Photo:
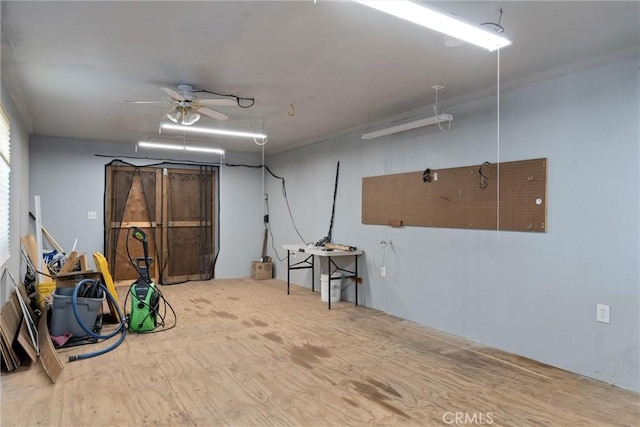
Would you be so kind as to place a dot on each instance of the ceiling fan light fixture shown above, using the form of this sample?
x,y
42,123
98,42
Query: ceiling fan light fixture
x,y
441,22
175,115
190,116
183,115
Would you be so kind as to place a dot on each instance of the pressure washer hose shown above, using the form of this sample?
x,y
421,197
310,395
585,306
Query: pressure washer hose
x,y
121,327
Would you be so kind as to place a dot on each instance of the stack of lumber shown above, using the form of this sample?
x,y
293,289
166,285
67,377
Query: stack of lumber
x,y
16,343
21,340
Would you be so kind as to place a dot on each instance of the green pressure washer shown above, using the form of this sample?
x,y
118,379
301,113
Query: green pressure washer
x,y
145,297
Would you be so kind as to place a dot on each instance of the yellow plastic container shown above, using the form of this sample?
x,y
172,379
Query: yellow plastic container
x,y
44,291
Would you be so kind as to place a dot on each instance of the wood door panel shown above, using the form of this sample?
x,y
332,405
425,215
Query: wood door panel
x,y
189,225
189,240
132,202
175,207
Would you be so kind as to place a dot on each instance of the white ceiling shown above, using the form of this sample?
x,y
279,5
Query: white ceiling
x,y
315,69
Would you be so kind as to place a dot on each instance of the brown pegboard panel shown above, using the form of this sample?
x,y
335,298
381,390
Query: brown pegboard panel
x,y
456,197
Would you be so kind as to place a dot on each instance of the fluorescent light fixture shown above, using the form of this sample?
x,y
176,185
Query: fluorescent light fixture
x,y
410,125
442,22
212,131
179,147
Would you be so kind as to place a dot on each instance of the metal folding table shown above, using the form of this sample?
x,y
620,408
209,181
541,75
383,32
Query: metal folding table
x,y
309,253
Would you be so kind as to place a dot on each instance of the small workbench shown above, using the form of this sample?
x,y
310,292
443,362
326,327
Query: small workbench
x,y
309,252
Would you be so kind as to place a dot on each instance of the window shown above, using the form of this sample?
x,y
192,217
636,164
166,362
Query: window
x,y
5,170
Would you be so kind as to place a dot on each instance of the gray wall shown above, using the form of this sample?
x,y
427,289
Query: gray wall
x,y
70,180
530,294
18,199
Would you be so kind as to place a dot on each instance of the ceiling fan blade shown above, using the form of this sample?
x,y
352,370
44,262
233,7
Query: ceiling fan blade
x,y
218,101
172,93
212,113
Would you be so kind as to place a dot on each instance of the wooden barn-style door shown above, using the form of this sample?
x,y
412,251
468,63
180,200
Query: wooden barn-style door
x,y
175,207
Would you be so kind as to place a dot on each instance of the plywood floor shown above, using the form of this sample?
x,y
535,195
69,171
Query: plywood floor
x,y
244,353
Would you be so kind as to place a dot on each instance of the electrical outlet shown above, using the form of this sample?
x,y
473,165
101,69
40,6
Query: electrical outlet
x,y
602,313
383,271
92,215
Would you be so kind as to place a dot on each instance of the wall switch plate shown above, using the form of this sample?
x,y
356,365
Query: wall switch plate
x,y
602,313
383,271
92,215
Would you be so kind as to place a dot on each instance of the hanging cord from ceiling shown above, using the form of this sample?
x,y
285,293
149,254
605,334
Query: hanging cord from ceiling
x,y
264,192
498,28
286,199
435,108
264,140
241,101
498,143
266,214
284,194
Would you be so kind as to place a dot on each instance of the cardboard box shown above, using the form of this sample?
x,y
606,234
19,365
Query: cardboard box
x,y
261,270
69,280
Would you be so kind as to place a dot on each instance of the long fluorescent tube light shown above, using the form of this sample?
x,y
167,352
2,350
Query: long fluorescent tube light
x,y
441,22
212,131
410,125
180,147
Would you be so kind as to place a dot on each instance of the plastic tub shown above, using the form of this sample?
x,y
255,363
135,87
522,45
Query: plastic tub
x,y
62,317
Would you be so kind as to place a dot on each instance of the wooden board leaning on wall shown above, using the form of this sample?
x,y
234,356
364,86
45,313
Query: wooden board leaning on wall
x,y
461,197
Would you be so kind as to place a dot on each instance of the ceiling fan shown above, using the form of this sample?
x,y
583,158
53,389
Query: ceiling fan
x,y
187,107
